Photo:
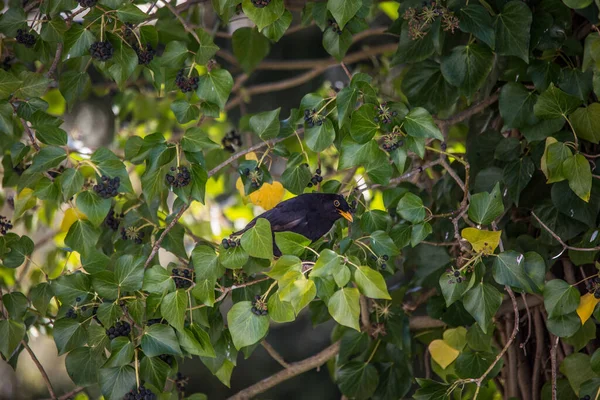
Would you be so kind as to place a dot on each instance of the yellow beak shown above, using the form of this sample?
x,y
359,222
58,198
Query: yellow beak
x,y
346,215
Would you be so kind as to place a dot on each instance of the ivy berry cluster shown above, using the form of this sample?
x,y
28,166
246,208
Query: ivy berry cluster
x,y
145,55
87,3
593,286
259,307
455,276
5,225
102,51
227,243
121,328
420,20
392,141
334,26
183,279
113,220
181,179
316,179
385,115
181,382
231,138
107,187
71,313
25,38
312,118
260,3
131,233
255,177
381,261
141,393
184,83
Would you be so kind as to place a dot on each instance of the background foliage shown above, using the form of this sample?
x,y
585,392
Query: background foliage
x,y
466,135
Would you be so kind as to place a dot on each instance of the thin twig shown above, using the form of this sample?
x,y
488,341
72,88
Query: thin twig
x,y
364,315
180,18
554,372
539,349
474,109
294,369
40,368
524,343
31,135
559,240
274,354
160,239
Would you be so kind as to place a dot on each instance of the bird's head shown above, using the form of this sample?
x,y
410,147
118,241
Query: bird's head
x,y
341,206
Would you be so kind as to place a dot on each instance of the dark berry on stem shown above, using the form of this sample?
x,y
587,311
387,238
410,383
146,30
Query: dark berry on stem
x,y
184,83
102,51
87,3
25,38
5,225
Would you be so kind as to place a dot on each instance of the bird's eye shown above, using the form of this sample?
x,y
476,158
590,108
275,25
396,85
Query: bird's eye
x,y
336,203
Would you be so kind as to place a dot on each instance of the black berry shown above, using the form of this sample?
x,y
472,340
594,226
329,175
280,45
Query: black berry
x,y
154,321
259,307
181,382
107,187
113,220
121,328
260,3
145,56
181,179
457,273
231,138
166,358
183,278
334,26
184,83
71,313
25,38
5,225
140,394
87,3
102,51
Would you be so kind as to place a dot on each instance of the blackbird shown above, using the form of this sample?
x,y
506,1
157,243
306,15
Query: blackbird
x,y
311,215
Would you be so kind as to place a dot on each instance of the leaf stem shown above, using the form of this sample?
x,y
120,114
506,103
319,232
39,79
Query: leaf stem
x,y
374,351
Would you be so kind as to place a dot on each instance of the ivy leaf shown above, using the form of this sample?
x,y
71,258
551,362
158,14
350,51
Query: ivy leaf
x,y
371,283
277,29
173,308
154,371
483,241
296,175
345,102
125,60
130,13
519,271
320,137
266,124
129,272
184,111
512,30
54,30
158,280
475,19
328,263
160,339
467,67
116,382
419,123
40,296
382,244
206,263
452,290
82,237
577,171
280,311
258,240
246,328
337,44
195,341
442,353
47,158
554,103
93,206
517,175
586,122
587,304
564,325
215,86
560,298
12,333
411,208
264,16
233,257
121,352
68,335
82,366
249,46
195,139
516,105
343,10
20,247
300,292
291,243
175,54
485,207
344,307
363,126
358,380
482,302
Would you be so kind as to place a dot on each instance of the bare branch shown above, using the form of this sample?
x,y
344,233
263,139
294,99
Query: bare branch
x,y
474,109
559,240
554,366
364,315
160,239
274,354
31,135
40,368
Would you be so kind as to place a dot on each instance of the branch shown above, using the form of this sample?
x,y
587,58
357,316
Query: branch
x,y
160,239
40,368
474,109
559,240
409,174
294,369
274,354
364,315
31,135
180,18
553,358
539,348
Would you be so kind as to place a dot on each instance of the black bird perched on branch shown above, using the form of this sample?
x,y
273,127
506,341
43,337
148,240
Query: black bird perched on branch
x,y
311,215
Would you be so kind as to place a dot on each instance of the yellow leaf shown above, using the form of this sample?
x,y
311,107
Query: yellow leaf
x,y
442,353
71,215
543,163
482,241
251,156
267,197
587,303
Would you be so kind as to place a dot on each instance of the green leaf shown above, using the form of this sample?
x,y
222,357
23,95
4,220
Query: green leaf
x,y
12,19
246,328
121,352
452,290
160,339
54,30
72,84
129,273
82,237
467,67
108,313
206,48
353,154
116,382
518,270
577,4
337,44
173,308
265,15
299,292
195,139
363,126
576,367
320,137
125,60
82,365
554,103
358,380
47,158
158,280
32,85
382,244
419,123
586,122
560,298
69,287
215,87
371,283
195,341
291,243
8,84
154,371
184,111
577,171
266,124
258,240
344,307
411,208
476,20
279,310
68,335
234,257
12,333
174,55
328,263
516,105
512,30
517,175
482,302
345,102
206,263
40,296
249,46
343,10
93,206
16,304
296,175
277,29
485,207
